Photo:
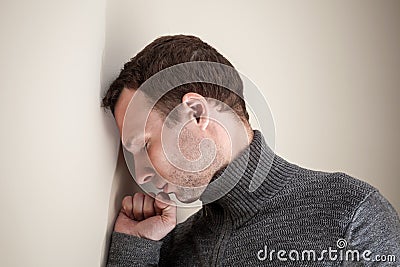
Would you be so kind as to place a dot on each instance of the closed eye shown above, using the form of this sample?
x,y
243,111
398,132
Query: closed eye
x,y
146,145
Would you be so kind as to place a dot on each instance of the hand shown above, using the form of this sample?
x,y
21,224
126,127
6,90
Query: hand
x,y
146,217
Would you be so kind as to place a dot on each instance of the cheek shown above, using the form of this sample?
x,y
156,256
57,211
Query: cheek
x,y
166,170
159,161
189,145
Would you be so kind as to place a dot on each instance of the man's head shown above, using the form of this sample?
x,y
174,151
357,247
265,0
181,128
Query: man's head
x,y
203,119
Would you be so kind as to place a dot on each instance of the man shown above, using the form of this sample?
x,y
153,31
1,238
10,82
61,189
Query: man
x,y
293,216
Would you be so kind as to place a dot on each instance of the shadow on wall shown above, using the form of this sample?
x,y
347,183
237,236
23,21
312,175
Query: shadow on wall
x,y
123,184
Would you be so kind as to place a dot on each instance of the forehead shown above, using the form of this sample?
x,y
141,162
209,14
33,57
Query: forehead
x,y
135,114
121,106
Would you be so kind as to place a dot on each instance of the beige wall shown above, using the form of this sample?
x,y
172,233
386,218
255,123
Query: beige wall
x,y
329,70
58,149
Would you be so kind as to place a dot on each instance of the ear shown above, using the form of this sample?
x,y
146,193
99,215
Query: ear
x,y
197,107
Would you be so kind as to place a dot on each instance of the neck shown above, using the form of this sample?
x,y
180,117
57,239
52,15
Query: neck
x,y
248,181
236,138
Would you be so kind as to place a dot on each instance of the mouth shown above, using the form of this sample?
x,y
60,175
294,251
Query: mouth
x,y
163,188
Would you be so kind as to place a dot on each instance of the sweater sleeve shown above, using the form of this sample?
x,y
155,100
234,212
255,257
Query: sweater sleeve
x,y
128,250
375,233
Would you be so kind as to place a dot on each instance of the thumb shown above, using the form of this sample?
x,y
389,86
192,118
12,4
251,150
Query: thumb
x,y
165,207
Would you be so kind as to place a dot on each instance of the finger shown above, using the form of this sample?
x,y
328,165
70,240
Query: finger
x,y
163,200
148,207
137,201
127,206
159,202
124,224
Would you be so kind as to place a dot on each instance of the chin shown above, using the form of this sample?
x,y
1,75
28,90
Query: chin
x,y
186,199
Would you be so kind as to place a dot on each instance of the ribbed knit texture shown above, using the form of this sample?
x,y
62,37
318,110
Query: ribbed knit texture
x,y
291,208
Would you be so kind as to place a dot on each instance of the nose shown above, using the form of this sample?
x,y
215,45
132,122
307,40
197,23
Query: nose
x,y
144,172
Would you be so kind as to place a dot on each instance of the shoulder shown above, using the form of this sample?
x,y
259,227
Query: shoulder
x,y
375,227
331,184
332,196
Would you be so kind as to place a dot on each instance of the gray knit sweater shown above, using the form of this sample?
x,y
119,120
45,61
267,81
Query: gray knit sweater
x,y
295,217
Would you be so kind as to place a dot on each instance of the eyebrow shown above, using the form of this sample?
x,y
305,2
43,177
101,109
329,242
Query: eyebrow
x,y
134,141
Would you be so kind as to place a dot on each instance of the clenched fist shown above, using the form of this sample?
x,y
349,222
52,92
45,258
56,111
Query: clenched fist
x,y
151,217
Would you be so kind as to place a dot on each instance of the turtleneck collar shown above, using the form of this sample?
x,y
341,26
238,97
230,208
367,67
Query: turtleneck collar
x,y
240,189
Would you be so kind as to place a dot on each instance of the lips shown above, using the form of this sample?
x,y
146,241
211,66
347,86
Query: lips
x,y
160,187
166,189
163,188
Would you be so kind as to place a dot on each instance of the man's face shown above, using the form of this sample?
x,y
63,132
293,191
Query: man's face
x,y
154,147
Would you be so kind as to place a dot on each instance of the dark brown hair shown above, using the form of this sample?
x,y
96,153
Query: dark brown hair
x,y
167,51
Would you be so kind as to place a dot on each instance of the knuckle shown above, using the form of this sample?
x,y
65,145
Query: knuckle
x,y
126,204
138,197
138,194
126,199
